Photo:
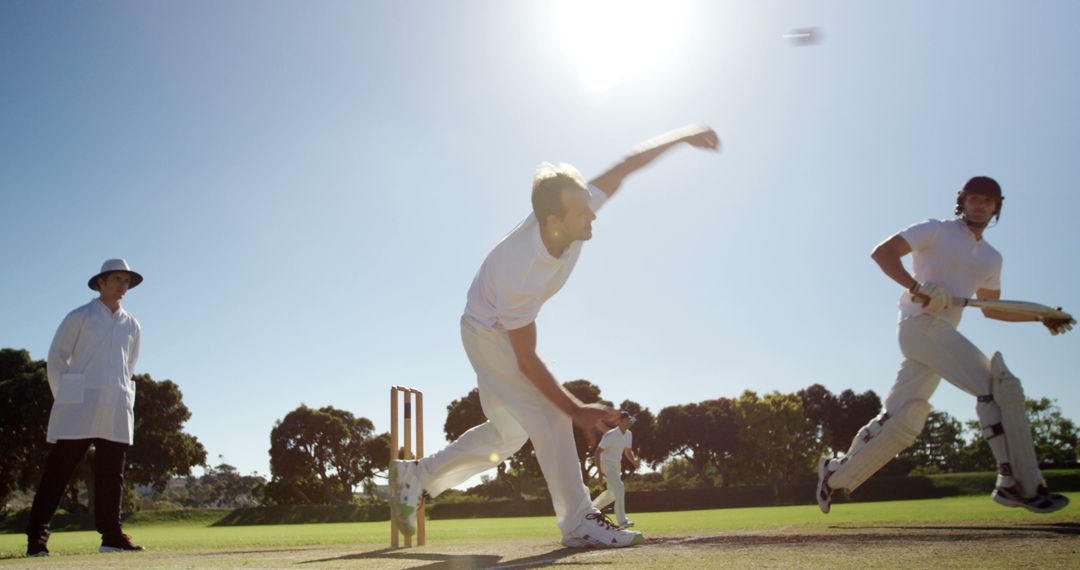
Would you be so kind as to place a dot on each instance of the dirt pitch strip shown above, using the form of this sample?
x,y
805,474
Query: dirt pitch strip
x,y
945,545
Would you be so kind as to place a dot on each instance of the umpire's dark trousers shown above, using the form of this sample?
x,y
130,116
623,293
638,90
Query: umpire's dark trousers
x,y
64,457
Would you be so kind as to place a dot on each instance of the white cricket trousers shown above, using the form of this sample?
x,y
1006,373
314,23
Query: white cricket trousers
x,y
517,412
933,349
614,493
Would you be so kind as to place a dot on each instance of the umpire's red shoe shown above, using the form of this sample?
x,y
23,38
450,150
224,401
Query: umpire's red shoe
x,y
121,543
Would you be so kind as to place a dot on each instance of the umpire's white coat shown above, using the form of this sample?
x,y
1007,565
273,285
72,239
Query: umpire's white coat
x,y
91,361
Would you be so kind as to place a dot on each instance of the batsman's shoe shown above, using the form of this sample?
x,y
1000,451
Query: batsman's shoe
x,y
1043,502
406,490
626,523
824,492
119,543
599,532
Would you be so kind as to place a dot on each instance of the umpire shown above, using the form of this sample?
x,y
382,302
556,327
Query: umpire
x,y
91,361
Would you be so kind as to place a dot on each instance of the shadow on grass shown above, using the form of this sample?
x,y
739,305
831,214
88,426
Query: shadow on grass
x,y
458,561
843,535
1062,528
304,514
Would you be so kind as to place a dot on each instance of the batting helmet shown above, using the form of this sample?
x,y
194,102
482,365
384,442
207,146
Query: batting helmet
x,y
985,186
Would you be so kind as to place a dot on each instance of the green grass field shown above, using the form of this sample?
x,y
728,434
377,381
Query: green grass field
x,y
173,543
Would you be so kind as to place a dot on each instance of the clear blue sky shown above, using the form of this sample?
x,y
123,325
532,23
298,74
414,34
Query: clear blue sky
x,y
309,189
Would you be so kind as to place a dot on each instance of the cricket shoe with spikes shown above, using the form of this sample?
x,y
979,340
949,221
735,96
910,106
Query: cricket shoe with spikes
x,y
406,491
596,531
824,491
1043,502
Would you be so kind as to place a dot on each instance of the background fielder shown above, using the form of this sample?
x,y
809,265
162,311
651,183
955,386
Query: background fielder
x,y
949,259
616,443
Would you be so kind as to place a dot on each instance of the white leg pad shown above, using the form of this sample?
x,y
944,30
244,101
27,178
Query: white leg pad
x,y
1009,395
897,433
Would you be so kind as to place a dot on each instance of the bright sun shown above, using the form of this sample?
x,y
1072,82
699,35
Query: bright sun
x,y
611,41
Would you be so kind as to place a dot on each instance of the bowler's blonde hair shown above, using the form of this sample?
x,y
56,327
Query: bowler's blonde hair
x,y
548,183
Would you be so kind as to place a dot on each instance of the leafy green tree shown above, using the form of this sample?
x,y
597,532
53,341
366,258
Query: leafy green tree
x,y
820,407
25,401
320,456
976,454
835,419
1054,435
463,414
161,449
775,443
14,362
855,411
1055,438
219,487
704,434
678,473
939,446
521,468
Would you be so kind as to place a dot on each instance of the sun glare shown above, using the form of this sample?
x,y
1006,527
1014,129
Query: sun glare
x,y
611,41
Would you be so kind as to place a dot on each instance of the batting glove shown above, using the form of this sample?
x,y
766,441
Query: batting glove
x,y
1059,326
933,296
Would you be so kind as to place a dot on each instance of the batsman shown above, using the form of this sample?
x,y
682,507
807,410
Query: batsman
x,y
950,260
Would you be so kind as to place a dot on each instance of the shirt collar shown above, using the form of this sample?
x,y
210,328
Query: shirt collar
x,y
964,229
106,310
541,249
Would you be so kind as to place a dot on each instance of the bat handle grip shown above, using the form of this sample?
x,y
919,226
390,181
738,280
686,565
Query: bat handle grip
x,y
925,299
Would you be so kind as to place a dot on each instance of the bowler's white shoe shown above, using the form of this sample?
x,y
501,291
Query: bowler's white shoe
x,y
597,531
824,492
406,490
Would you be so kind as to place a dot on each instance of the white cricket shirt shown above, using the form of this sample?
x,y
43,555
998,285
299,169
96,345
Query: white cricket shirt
x,y
520,275
614,443
90,364
946,253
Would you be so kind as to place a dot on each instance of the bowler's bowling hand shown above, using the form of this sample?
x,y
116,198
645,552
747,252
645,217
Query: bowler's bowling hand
x,y
702,137
594,419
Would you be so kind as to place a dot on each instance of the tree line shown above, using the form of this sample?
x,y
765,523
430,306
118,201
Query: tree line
x,y
326,455
162,450
769,439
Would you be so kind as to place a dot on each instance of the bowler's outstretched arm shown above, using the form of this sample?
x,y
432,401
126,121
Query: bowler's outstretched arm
x,y
698,136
